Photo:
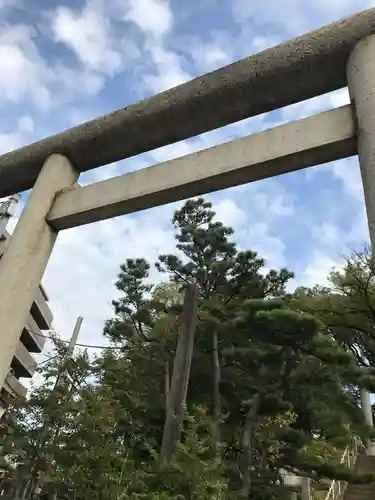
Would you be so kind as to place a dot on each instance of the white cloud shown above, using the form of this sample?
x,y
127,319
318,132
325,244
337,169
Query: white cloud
x,y
229,213
269,199
88,34
9,141
167,70
17,138
4,4
212,54
176,150
327,233
348,173
85,264
19,57
26,124
95,34
318,270
331,236
26,76
71,83
251,211
156,56
269,246
154,17
292,18
281,205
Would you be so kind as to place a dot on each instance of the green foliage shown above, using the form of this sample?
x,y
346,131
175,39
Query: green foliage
x,y
273,386
347,306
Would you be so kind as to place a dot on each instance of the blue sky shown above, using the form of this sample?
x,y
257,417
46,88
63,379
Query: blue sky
x,y
64,62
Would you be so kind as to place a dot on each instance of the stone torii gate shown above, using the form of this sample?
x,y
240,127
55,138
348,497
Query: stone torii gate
x,y
327,59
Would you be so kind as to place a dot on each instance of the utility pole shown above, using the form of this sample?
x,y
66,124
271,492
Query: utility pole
x,y
33,487
74,337
72,344
69,354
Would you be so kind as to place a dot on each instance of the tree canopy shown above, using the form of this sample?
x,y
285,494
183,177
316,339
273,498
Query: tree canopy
x,y
274,381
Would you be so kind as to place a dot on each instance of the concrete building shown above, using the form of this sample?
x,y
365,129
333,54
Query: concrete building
x,y
31,342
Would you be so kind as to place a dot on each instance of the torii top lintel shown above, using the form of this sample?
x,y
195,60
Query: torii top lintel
x,y
305,67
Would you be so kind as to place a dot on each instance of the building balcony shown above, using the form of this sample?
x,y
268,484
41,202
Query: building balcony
x,y
13,389
23,364
41,312
31,341
32,337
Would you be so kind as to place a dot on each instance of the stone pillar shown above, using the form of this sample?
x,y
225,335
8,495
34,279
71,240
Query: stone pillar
x,y
361,82
27,254
367,412
306,488
366,407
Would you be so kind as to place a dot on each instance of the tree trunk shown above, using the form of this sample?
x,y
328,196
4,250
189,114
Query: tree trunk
x,y
166,384
248,448
216,396
181,374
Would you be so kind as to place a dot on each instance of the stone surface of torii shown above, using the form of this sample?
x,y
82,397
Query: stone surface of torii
x,y
308,66
299,144
319,62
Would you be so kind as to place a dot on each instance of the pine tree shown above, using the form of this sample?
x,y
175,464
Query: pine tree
x,y
33,428
252,358
271,387
347,306
222,273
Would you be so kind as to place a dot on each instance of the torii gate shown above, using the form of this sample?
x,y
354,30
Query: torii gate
x,y
327,59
